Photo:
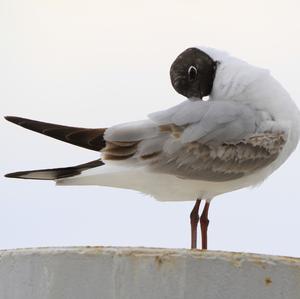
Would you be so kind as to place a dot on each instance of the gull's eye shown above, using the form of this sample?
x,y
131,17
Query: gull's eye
x,y
192,73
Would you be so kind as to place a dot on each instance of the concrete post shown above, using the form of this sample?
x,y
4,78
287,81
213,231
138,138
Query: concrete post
x,y
142,273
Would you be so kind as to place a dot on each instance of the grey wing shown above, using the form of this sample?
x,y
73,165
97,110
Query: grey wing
x,y
212,141
213,122
224,162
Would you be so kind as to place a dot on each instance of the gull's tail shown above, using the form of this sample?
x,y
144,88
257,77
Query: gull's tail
x,y
55,173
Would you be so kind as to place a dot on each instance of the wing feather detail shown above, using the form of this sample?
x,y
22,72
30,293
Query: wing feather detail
x,y
224,162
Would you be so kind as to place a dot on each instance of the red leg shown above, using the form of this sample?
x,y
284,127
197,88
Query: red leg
x,y
194,217
204,225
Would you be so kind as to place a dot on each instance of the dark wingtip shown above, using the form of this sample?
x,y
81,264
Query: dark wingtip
x,y
54,173
8,117
13,119
87,138
14,174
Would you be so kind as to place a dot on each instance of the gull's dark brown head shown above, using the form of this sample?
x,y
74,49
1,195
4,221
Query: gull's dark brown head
x,y
192,73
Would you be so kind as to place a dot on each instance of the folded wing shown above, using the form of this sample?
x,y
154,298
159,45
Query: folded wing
x,y
212,141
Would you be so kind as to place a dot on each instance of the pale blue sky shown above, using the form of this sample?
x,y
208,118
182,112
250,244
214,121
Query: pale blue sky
x,y
96,63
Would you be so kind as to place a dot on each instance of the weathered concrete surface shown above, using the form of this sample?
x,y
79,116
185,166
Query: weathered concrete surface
x,y
123,273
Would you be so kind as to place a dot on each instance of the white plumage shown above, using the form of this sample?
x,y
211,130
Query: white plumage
x,y
246,130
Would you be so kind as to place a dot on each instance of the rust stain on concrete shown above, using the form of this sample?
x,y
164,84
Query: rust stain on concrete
x,y
268,281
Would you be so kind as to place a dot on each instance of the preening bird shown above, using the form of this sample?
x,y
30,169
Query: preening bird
x,y
196,150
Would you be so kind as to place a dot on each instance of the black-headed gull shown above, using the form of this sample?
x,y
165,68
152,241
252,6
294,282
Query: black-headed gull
x,y
195,150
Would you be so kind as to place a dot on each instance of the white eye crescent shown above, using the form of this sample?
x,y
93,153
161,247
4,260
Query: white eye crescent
x,y
192,73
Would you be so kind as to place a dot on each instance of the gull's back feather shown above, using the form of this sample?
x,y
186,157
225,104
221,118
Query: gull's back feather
x,y
210,121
